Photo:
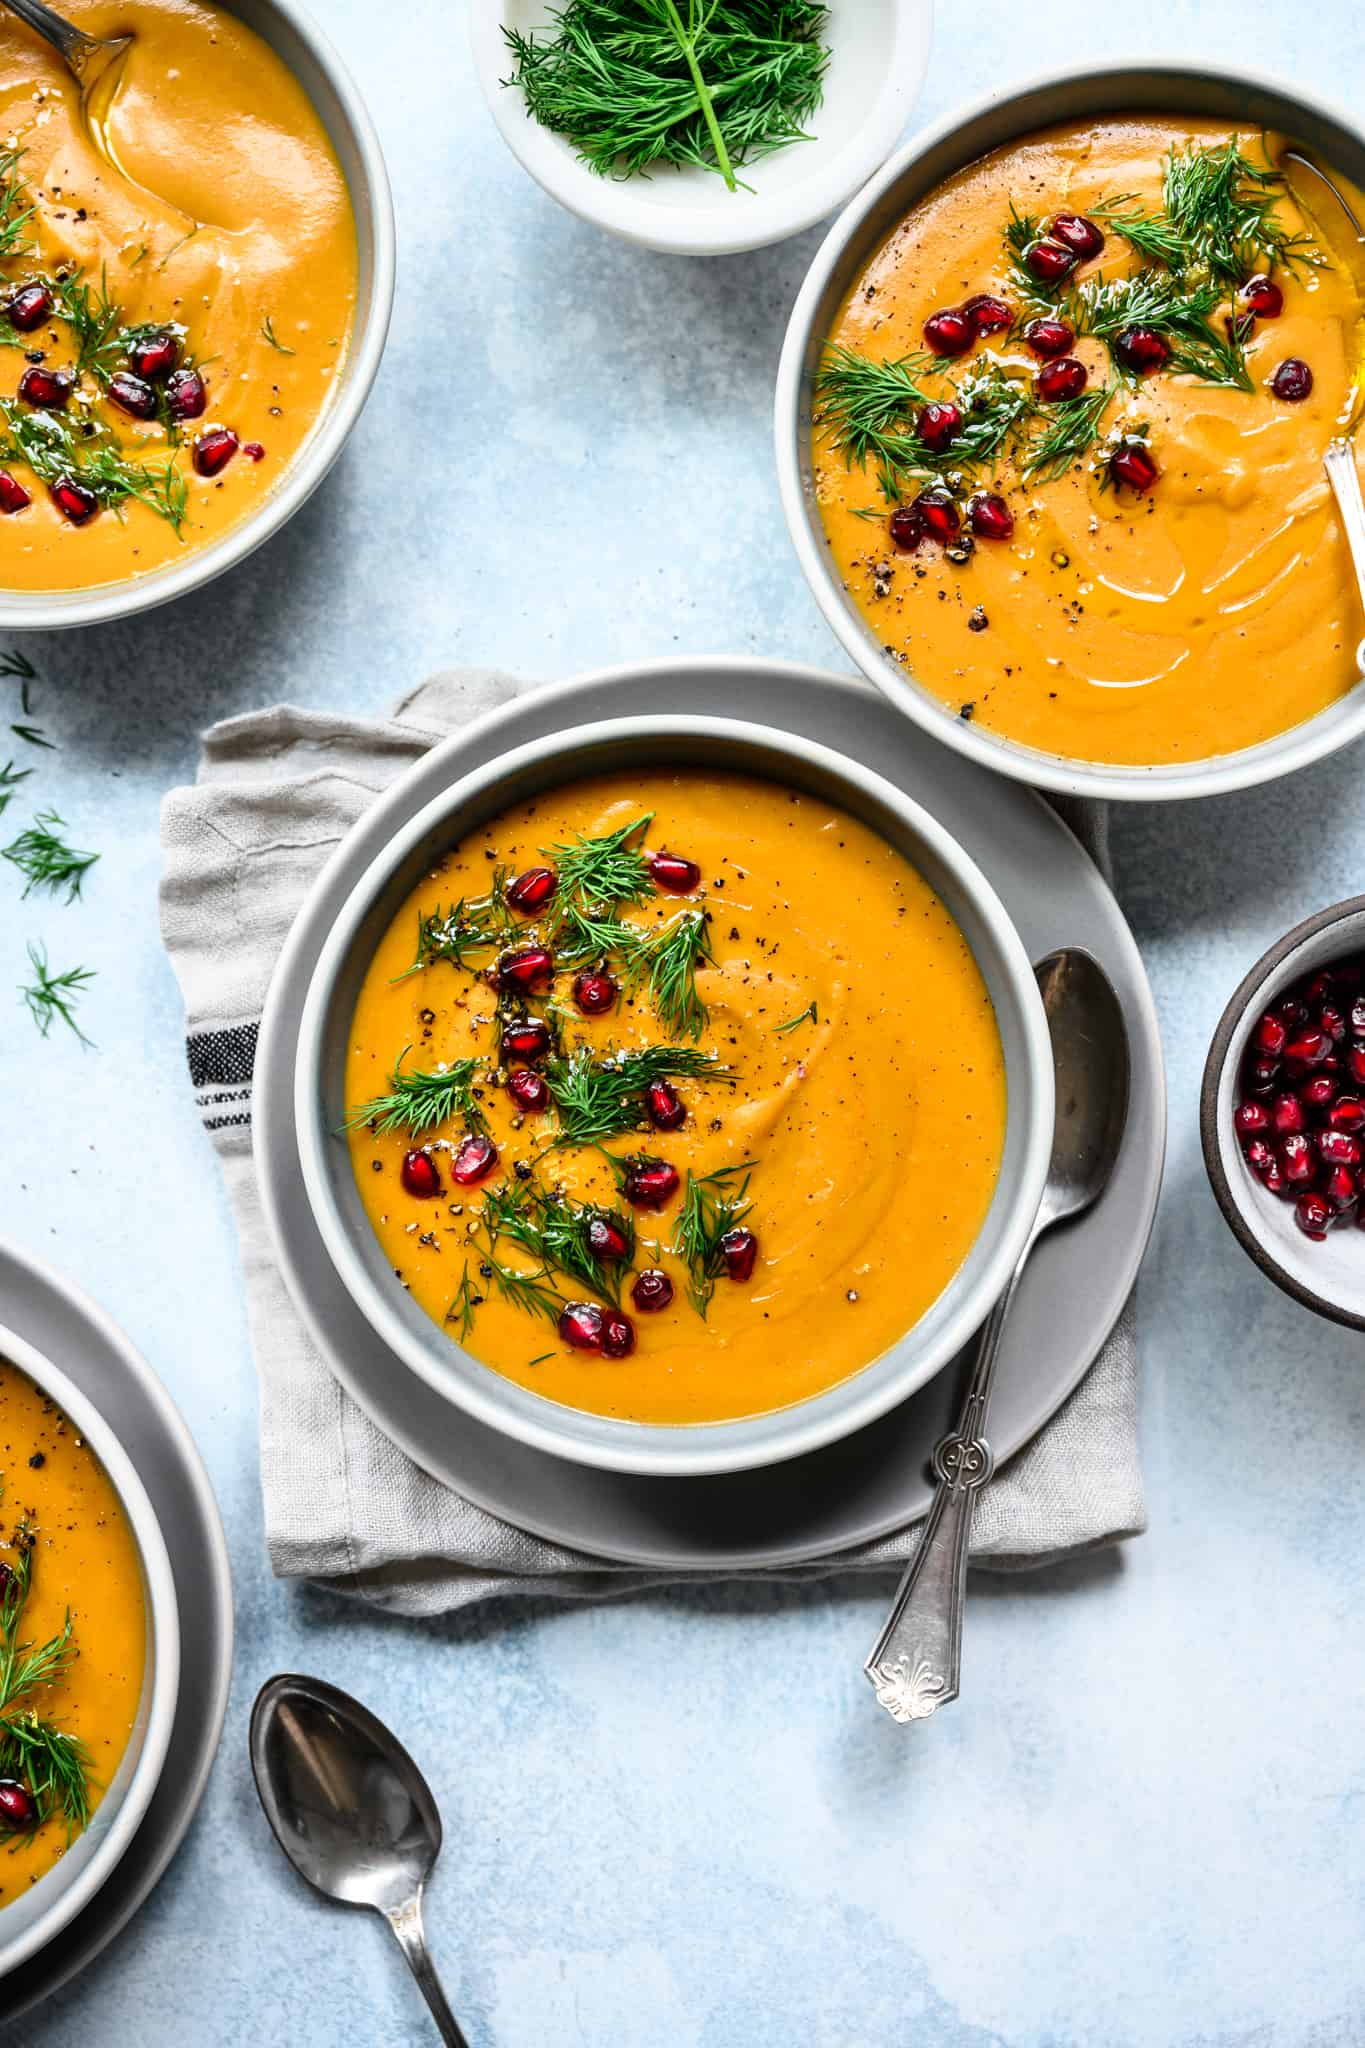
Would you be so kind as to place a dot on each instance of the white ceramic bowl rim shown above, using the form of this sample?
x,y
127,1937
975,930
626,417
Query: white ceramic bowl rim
x,y
372,205
711,1447
159,1701
1033,104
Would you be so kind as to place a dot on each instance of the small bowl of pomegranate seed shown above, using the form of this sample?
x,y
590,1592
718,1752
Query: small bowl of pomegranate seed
x,y
1282,1113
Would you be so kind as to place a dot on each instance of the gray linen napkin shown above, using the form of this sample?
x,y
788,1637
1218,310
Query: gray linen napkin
x,y
275,793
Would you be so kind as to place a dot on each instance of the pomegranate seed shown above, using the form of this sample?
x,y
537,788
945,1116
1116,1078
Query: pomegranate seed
x,y
214,450
1142,350
1286,1115
1317,1091
1274,1182
1270,1035
1312,1215
1340,1188
13,496
1358,1017
1355,1060
1260,1157
528,1090
607,1240
1339,1148
1252,1119
1261,1076
1347,1113
1296,1159
666,1107
1292,381
580,1324
1077,232
938,425
1292,1011
474,1161
949,333
1066,378
29,307
154,356
1049,261
675,872
649,1183
254,450
525,1038
50,389
594,991
419,1175
131,395
531,890
990,516
739,1249
1048,338
1263,296
987,314
73,500
187,395
652,1291
618,1334
907,529
1309,1049
529,967
1133,463
1332,1022
1319,988
18,1807
939,514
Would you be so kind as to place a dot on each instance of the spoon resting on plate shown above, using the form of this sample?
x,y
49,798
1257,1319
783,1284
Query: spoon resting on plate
x,y
916,1665
351,1811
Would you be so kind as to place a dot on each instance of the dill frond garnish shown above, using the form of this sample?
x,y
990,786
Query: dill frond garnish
x,y
810,1015
269,334
1071,429
95,322
420,1102
53,1766
867,406
1178,311
597,874
462,1309
600,1096
533,1293
54,446
50,996
712,1205
15,214
44,858
1152,235
555,1231
666,962
590,935
1224,206
476,924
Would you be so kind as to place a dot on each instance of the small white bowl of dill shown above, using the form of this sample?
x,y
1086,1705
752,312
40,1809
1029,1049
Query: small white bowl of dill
x,y
701,127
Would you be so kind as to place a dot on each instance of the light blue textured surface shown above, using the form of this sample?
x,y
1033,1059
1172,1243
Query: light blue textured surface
x,y
681,1822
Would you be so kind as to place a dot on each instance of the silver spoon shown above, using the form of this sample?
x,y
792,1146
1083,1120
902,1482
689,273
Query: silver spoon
x,y
351,1811
85,56
916,1665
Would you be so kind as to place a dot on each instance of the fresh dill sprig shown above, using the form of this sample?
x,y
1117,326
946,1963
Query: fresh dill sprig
x,y
54,447
268,331
50,996
476,924
810,1015
581,935
42,855
53,1765
1153,235
533,1293
666,962
10,778
867,407
635,84
1178,311
555,1231
1071,429
462,1309
1224,206
420,1102
95,322
711,1205
13,663
14,213
599,1096
597,874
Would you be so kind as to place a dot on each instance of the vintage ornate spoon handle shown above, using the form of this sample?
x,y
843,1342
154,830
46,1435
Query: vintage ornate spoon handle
x,y
406,1922
915,1665
1340,464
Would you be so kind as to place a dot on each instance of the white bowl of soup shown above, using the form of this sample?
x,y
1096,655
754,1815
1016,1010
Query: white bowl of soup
x,y
87,1596
196,276
675,1096
1050,421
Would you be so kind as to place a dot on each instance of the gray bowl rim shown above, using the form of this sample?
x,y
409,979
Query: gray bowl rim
x,y
678,1450
1021,109
42,611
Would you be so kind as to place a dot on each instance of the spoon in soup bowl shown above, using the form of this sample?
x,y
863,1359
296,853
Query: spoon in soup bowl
x,y
86,57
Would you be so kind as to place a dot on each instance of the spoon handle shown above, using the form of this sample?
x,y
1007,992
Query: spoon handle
x,y
916,1663
73,44
406,1922
1340,463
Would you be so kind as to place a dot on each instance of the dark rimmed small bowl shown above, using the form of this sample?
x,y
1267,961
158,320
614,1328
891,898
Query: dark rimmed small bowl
x,y
1328,1277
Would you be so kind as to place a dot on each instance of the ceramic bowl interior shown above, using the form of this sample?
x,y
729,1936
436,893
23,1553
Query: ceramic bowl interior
x,y
880,50
1328,1277
302,47
321,1104
860,230
40,1914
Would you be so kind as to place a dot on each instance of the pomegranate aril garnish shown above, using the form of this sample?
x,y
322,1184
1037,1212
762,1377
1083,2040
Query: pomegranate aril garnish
x,y
1297,1159
907,529
580,1324
214,450
1133,463
419,1175
531,890
674,872
1286,1115
1340,1188
74,501
1312,1215
1260,1077
1270,1035
618,1334
1317,1091
739,1249
1142,350
652,1291
987,313
649,1183
474,1161
1308,1048
594,991
133,396
13,496
29,307
1347,1113
1260,1156
1049,261
1293,380
1358,1017
939,514
18,1807
1331,1020
254,451
1049,338
529,1090
938,424
1263,297
154,356
666,1107
48,389
528,967
607,1240
989,516
1066,378
1339,1148
1251,1120
1077,232
1355,1064
525,1038
949,333
187,395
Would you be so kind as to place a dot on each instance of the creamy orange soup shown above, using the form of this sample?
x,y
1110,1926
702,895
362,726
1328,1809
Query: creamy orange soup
x,y
64,1533
783,1203
1178,585
177,286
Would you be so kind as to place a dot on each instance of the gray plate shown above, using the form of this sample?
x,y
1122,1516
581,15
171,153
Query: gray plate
x,y
75,1334
868,1484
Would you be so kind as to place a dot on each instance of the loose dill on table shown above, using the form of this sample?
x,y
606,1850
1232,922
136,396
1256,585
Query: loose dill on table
x,y
51,996
53,1765
44,858
712,1205
599,1096
418,1102
10,778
